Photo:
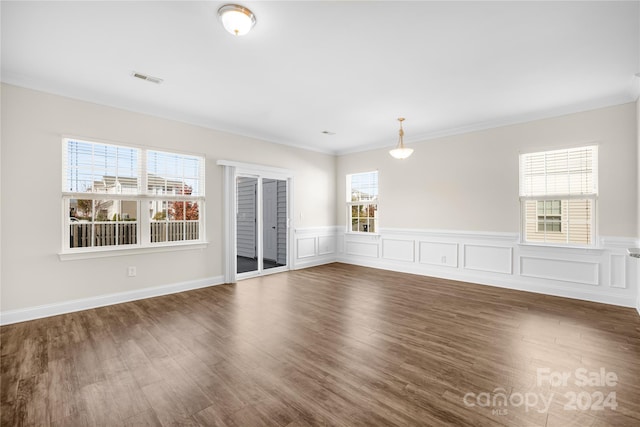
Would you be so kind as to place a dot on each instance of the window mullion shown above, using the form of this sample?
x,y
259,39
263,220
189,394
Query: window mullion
x,y
116,192
143,214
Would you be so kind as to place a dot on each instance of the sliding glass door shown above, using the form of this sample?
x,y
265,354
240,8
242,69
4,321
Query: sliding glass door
x,y
261,225
274,223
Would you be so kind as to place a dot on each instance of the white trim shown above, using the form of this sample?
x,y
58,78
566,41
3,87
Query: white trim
x,y
140,197
619,242
494,124
232,170
385,252
251,168
465,258
328,230
315,261
622,283
590,282
594,280
315,235
38,312
314,253
112,142
229,222
485,235
136,250
549,247
501,281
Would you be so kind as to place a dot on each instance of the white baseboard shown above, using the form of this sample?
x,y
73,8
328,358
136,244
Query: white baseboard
x,y
508,282
38,312
602,274
300,264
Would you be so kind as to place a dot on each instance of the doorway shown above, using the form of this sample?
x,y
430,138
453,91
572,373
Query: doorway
x,y
257,219
261,225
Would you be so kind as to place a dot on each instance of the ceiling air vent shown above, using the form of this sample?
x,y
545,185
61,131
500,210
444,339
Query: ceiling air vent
x,y
151,79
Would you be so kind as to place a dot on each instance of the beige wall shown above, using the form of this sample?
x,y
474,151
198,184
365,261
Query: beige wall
x,y
465,182
32,125
469,182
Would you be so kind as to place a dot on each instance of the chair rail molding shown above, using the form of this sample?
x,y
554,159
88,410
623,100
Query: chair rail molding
x,y
602,274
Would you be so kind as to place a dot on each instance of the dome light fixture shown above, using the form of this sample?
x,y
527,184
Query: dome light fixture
x,y
401,152
236,19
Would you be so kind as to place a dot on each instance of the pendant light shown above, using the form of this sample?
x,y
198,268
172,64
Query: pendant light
x,y
401,152
236,19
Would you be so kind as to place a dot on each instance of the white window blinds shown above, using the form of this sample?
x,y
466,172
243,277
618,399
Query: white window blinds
x,y
175,174
569,172
92,167
363,186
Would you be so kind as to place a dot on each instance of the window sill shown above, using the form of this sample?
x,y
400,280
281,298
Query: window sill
x,y
362,234
105,253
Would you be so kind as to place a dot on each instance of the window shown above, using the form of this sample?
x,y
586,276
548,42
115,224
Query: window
x,y
362,202
121,197
558,195
550,215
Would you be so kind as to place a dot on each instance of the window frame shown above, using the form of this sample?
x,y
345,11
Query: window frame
x,y
589,196
548,216
142,197
365,203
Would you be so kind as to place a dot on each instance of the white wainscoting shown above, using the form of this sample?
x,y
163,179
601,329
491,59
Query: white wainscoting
x,y
438,253
603,274
566,270
314,246
306,247
398,250
494,259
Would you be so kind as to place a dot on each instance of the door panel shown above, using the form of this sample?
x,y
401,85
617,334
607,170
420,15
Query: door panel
x,y
274,212
269,220
246,224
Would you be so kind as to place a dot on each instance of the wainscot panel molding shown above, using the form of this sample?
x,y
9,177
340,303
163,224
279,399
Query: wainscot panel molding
x,y
398,249
600,274
314,246
437,253
493,259
565,270
32,313
618,271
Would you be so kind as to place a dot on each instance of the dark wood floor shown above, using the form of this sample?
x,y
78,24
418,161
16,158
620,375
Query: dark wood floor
x,y
331,345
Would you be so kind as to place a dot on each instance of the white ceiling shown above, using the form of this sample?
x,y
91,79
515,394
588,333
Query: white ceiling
x,y
349,67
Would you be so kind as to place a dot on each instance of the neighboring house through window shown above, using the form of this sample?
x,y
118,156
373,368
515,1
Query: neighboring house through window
x,y
558,195
550,215
119,196
362,202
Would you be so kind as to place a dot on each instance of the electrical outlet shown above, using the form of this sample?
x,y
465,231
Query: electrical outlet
x,y
443,259
131,272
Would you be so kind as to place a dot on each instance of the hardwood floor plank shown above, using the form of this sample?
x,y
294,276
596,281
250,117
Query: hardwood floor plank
x,y
100,408
32,405
168,410
337,345
138,363
124,390
143,419
63,390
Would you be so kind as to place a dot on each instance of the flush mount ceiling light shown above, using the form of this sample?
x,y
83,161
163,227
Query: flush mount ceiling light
x,y
236,19
401,152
